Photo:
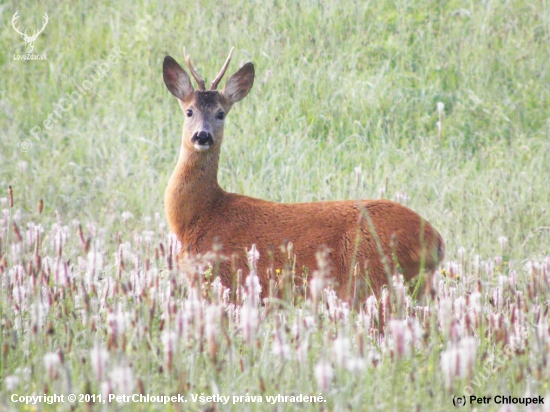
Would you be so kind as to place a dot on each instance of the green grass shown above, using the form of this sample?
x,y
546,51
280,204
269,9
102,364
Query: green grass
x,y
339,85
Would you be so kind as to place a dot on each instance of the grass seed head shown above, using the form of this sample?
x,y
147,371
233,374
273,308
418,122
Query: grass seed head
x,y
10,196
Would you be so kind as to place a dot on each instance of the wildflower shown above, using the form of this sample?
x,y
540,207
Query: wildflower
x,y
95,264
462,254
316,287
11,382
281,349
358,176
170,343
337,309
400,289
503,240
476,264
60,239
458,360
371,313
405,334
356,364
182,323
61,275
444,314
193,311
302,352
51,363
374,357
454,270
459,305
127,216
474,302
309,322
213,313
249,321
402,197
323,374
322,257
116,323
533,267
489,268
122,378
106,389
385,304
341,349
174,244
147,236
543,333
253,288
19,294
99,358
253,257
220,292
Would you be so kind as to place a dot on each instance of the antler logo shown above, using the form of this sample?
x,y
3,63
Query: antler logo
x,y
29,40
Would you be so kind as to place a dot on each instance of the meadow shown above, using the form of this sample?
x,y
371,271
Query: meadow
x,y
440,105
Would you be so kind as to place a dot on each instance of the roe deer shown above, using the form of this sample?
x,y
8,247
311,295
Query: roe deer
x,y
374,234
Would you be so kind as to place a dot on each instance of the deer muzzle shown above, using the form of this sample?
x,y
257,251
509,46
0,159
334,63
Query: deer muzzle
x,y
202,140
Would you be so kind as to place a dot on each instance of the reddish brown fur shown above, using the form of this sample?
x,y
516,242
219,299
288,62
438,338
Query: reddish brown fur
x,y
200,213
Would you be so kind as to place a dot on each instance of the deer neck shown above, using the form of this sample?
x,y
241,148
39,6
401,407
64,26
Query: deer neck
x,y
193,188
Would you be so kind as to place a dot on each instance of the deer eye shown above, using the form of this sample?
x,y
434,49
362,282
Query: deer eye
x,y
189,113
220,115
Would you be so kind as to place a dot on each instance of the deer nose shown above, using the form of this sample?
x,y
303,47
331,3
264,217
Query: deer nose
x,y
202,139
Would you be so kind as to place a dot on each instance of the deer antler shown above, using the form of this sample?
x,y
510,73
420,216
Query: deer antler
x,y
13,22
34,34
222,71
200,82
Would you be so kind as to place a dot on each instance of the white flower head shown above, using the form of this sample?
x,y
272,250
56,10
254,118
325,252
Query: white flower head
x,y
126,216
11,382
323,374
169,341
281,349
249,321
99,358
52,361
122,379
341,349
458,360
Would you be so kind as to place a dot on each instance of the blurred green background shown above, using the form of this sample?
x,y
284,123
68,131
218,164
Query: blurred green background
x,y
340,85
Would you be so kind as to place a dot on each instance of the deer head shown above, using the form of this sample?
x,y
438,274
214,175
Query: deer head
x,y
205,110
29,40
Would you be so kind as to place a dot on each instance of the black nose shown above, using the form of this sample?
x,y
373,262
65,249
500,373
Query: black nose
x,y
203,138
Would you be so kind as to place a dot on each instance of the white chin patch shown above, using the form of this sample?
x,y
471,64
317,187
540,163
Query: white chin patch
x,y
201,148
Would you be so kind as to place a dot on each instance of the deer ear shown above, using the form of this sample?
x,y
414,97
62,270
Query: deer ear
x,y
176,80
238,85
